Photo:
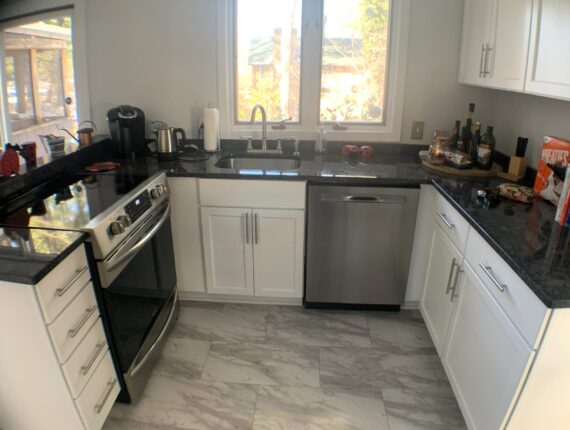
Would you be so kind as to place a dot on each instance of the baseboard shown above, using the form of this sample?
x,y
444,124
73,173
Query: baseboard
x,y
228,298
411,304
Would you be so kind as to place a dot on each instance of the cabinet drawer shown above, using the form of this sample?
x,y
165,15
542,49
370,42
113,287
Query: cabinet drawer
x,y
74,322
262,194
452,222
83,362
59,287
522,306
99,395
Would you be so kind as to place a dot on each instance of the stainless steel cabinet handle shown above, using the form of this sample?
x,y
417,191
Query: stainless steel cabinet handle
x,y
246,228
88,312
87,366
454,288
446,222
61,291
256,228
363,198
453,263
489,272
488,49
482,60
99,406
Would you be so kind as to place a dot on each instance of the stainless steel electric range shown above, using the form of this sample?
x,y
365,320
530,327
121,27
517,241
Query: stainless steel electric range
x,y
131,255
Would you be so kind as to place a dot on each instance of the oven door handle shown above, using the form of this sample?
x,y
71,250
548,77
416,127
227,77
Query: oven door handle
x,y
114,262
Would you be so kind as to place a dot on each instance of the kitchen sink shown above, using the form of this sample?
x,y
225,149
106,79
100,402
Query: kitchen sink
x,y
259,162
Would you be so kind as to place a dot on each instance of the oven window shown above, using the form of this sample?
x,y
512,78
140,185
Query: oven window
x,y
136,297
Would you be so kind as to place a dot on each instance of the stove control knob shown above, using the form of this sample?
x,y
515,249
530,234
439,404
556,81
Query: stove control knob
x,y
156,192
116,228
124,220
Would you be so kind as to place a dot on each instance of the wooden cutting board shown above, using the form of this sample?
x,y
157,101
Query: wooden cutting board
x,y
466,173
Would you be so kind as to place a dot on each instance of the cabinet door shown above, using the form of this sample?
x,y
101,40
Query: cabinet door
x,y
486,358
228,253
186,235
549,63
509,43
444,264
476,30
278,252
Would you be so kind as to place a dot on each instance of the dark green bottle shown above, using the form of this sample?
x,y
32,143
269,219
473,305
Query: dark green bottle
x,y
486,149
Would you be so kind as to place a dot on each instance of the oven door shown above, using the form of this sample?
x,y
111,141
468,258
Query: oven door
x,y
139,291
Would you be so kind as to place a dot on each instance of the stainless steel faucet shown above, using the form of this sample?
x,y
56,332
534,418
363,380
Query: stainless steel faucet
x,y
263,125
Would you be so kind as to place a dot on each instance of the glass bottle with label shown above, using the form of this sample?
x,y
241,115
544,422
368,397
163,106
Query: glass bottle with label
x,y
472,150
485,150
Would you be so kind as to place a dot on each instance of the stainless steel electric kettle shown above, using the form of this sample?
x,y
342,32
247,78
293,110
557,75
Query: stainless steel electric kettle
x,y
167,142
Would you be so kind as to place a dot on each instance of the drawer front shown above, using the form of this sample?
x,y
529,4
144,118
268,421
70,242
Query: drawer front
x,y
452,222
98,397
74,322
522,306
262,194
62,284
84,360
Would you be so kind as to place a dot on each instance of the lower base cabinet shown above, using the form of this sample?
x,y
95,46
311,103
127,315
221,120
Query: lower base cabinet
x,y
486,357
253,251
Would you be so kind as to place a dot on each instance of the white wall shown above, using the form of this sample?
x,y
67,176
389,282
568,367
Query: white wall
x,y
433,94
529,116
159,55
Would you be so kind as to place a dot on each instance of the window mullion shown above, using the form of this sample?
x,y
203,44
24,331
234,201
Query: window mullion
x,y
311,63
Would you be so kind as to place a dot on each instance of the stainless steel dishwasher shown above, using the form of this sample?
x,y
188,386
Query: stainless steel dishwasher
x,y
359,242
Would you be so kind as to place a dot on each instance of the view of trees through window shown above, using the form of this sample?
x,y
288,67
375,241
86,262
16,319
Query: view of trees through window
x,y
39,78
353,55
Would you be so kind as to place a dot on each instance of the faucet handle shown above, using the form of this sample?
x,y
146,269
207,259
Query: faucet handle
x,y
295,145
249,139
281,125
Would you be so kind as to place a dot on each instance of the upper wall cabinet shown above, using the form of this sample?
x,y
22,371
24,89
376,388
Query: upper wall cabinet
x,y
549,56
495,43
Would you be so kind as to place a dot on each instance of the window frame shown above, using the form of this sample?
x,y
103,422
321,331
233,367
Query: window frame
x,y
78,40
309,125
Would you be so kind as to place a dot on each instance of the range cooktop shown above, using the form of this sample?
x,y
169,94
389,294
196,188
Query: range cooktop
x,y
68,202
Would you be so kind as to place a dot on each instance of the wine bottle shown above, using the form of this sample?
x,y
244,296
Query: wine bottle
x,y
466,132
454,139
485,150
475,142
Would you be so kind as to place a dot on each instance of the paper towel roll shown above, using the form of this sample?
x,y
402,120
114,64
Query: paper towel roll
x,y
211,129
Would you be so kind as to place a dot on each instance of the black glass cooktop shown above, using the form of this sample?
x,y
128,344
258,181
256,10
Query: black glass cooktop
x,y
68,202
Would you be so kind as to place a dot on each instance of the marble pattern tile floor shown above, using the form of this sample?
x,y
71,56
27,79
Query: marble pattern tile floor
x,y
258,367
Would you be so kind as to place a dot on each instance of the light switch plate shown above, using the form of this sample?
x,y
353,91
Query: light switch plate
x,y
418,130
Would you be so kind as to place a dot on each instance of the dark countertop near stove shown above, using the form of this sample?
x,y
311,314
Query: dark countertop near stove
x,y
526,236
27,255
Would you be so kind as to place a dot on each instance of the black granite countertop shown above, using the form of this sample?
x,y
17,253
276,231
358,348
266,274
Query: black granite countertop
x,y
524,235
27,255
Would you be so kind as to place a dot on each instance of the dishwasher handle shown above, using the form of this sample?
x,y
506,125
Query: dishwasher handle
x,y
363,198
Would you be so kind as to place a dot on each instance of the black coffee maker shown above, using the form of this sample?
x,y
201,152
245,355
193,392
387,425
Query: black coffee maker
x,y
127,127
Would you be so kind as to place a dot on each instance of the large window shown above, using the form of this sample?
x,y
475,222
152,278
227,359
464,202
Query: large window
x,y
316,62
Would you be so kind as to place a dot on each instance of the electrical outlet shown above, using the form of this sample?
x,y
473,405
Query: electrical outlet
x,y
418,130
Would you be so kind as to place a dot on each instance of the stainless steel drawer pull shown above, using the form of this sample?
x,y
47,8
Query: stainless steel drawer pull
x,y
364,198
256,228
99,406
454,288
88,312
61,291
246,228
445,220
489,272
482,60
87,366
448,289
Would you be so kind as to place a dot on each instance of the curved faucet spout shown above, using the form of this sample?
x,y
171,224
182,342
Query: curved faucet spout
x,y
263,124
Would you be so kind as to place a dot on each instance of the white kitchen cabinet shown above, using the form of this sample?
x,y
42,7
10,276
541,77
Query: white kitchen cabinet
x,y
442,276
495,43
278,252
486,358
549,60
253,251
228,251
186,234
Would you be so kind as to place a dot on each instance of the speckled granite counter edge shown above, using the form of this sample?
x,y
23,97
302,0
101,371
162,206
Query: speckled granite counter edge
x,y
50,265
536,289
